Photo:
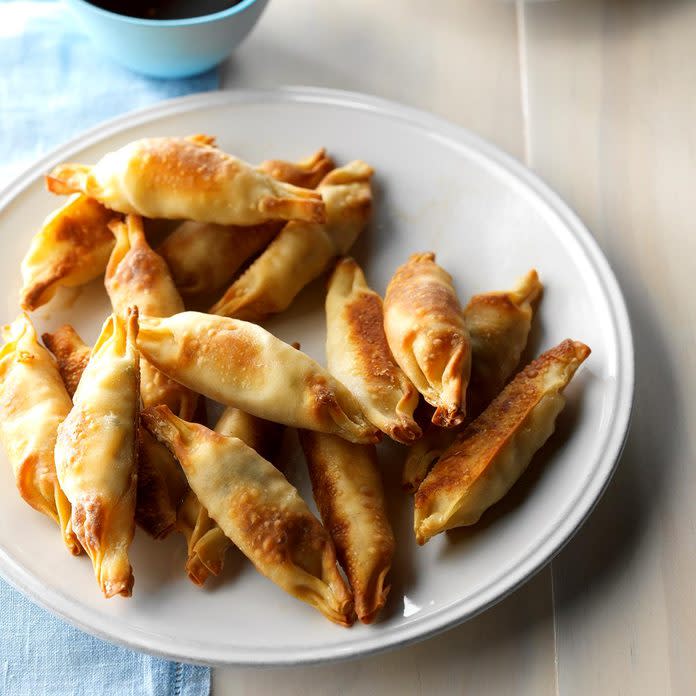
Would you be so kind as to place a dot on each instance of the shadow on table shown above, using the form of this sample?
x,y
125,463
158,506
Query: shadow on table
x,y
604,548
580,17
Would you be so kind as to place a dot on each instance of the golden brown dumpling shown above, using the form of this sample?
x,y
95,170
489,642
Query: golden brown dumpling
x,y
164,501
348,491
494,450
161,483
207,542
138,276
498,325
425,329
95,454
203,257
240,364
358,354
71,249
259,511
302,251
186,179
161,487
423,453
261,435
306,173
71,354
33,402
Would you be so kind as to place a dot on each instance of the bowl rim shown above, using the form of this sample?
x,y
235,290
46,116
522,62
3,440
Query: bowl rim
x,y
239,7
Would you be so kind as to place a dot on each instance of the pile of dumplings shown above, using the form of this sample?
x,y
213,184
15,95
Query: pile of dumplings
x,y
105,437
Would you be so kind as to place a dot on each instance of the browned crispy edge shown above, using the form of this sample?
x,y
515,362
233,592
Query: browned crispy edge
x,y
369,596
71,354
497,422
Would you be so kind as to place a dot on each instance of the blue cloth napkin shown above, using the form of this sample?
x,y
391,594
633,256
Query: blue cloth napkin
x,y
53,84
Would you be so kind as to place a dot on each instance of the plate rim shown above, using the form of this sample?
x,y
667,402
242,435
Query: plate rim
x,y
458,612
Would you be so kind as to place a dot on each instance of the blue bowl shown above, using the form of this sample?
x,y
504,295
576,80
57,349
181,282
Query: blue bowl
x,y
168,47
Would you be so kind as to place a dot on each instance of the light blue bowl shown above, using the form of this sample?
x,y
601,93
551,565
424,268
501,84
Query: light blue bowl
x,y
168,47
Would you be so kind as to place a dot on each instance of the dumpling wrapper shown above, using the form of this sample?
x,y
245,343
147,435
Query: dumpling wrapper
x,y
498,325
493,451
259,511
348,491
203,257
306,173
161,487
302,251
33,402
207,542
427,335
261,435
95,454
71,249
423,453
166,503
71,354
138,277
157,498
186,179
240,364
358,354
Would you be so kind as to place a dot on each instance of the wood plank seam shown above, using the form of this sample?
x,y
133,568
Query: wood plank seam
x,y
520,6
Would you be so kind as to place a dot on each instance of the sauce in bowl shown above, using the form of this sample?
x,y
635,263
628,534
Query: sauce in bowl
x,y
165,9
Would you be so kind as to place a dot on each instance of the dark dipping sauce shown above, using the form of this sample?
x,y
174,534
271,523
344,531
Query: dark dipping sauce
x,y
165,9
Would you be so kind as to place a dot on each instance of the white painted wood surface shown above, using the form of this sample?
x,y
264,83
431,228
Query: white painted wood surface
x,y
612,111
599,97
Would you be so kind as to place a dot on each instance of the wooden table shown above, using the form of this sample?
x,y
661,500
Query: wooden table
x,y
599,98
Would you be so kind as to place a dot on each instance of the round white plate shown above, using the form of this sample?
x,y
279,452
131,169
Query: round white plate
x,y
489,220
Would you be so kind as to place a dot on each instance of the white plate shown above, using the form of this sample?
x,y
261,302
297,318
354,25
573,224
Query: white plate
x,y
489,220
